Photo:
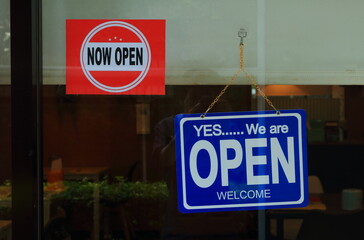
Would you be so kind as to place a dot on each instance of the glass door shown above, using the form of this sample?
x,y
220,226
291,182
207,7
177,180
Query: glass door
x,y
109,163
80,163
5,123
87,164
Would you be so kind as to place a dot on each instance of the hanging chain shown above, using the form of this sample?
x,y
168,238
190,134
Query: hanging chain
x,y
252,81
248,76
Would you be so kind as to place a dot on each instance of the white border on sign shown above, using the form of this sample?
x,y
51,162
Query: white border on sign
x,y
184,194
141,75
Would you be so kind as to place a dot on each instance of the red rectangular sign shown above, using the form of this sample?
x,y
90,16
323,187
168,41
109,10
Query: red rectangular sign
x,y
124,57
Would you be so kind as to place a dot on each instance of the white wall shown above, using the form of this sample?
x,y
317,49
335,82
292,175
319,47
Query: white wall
x,y
318,42
201,34
289,41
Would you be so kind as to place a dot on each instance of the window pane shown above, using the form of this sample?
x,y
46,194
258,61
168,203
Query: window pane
x,y
5,121
110,160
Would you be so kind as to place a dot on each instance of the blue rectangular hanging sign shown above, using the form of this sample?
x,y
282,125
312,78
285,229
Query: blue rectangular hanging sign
x,y
241,161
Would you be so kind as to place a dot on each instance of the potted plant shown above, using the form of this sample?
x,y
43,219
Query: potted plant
x,y
112,195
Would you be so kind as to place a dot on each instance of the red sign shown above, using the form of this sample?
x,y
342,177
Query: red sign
x,y
115,57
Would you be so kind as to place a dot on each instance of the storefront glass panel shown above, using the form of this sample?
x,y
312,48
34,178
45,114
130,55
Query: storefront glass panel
x,y
5,122
109,161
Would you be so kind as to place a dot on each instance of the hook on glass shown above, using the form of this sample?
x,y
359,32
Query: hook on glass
x,y
242,34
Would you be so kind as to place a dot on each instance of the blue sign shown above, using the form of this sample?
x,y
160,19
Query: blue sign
x,y
241,161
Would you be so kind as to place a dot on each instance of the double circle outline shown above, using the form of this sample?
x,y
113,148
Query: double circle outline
x,y
141,76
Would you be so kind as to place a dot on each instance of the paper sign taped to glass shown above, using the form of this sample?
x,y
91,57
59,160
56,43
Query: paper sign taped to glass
x,y
241,161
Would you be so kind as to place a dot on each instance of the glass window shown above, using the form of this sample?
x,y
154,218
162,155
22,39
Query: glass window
x,y
110,170
5,122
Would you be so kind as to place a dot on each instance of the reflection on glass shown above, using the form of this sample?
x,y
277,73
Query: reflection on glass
x,y
118,152
104,192
5,122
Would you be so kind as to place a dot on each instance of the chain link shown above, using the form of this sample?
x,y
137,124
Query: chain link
x,y
249,77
